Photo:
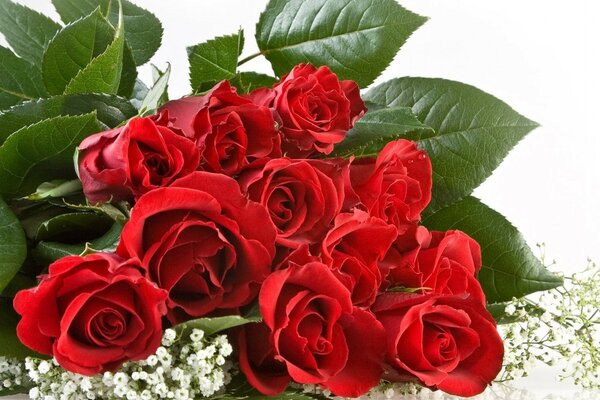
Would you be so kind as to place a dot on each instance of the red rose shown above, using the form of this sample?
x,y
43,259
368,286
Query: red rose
x,y
202,241
302,196
317,109
316,333
124,163
258,361
229,130
353,248
447,342
92,313
441,262
396,187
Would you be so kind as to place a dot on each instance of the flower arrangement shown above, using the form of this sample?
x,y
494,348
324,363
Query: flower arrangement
x,y
290,235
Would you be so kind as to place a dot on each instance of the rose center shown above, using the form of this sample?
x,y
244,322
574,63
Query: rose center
x,y
440,346
108,325
157,165
280,206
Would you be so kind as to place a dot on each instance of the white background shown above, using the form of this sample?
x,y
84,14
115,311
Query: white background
x,y
540,56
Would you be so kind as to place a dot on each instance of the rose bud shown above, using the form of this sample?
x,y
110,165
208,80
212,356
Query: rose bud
x,y
437,262
126,162
203,241
446,342
316,333
395,187
92,313
316,109
229,130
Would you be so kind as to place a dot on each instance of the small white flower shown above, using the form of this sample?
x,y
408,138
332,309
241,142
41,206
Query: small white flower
x,y
226,350
182,394
510,309
44,367
34,393
146,395
389,393
197,335
69,388
152,360
169,337
120,379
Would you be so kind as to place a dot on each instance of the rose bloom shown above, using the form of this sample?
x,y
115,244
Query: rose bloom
x,y
447,342
316,108
202,241
92,313
440,262
258,361
353,248
312,331
302,196
126,162
395,187
230,131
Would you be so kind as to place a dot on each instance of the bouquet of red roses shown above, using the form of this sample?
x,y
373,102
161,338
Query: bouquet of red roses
x,y
329,234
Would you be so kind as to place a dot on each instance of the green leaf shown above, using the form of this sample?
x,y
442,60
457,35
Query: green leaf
x,y
510,269
35,215
140,91
15,390
56,188
379,127
158,94
215,60
129,73
103,73
111,111
74,48
10,345
19,282
143,31
210,326
357,39
19,80
47,252
73,227
118,212
26,31
246,82
498,312
474,131
13,247
42,152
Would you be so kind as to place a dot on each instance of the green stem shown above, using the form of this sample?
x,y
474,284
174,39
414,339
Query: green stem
x,y
250,57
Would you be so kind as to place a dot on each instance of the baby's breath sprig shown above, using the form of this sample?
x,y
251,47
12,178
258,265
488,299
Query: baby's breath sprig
x,y
12,375
180,370
558,327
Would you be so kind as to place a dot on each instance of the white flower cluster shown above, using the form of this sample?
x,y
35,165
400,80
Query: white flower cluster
x,y
561,327
180,371
389,391
12,374
412,391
